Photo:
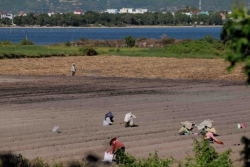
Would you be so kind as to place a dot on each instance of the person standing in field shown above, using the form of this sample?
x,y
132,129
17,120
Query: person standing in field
x,y
73,69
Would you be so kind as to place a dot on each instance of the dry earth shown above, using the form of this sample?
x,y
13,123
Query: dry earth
x,y
160,92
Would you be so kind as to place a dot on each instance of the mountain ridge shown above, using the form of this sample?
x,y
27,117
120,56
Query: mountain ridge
x,y
43,6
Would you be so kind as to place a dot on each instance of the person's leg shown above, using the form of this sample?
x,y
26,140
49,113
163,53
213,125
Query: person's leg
x,y
127,124
181,133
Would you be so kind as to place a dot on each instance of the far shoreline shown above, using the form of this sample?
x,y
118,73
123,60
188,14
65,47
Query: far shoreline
x,y
212,26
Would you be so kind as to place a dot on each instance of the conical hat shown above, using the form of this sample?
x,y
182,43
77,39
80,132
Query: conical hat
x,y
207,123
213,130
187,124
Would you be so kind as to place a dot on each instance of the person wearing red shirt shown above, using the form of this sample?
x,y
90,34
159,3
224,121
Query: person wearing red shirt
x,y
118,149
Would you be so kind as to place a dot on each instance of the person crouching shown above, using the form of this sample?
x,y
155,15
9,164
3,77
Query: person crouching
x,y
186,128
118,149
108,119
210,136
129,120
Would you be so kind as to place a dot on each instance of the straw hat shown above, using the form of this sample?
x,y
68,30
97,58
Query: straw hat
x,y
111,141
213,130
187,124
205,123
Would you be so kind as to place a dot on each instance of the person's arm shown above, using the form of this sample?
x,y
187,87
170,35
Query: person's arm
x,y
113,148
109,121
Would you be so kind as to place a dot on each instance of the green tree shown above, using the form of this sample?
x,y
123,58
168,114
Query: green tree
x,y
130,41
6,21
182,18
216,19
237,33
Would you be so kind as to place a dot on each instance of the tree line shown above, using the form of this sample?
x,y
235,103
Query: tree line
x,y
108,20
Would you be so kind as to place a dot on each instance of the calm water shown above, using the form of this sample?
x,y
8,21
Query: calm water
x,y
45,36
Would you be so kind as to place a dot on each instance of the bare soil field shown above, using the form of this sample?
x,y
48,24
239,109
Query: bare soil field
x,y
37,94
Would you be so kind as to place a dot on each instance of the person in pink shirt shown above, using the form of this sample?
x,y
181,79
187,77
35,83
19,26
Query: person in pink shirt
x,y
118,149
210,135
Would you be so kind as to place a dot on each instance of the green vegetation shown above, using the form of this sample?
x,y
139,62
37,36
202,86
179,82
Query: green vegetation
x,y
68,43
151,161
88,50
236,34
197,47
3,43
130,41
204,156
208,47
11,160
97,19
25,41
36,51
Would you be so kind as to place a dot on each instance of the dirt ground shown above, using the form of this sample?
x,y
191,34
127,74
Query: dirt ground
x,y
37,94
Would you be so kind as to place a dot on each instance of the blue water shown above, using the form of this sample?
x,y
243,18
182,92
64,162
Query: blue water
x,y
44,36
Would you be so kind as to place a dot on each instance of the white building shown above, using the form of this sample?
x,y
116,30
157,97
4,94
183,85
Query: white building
x,y
127,10
132,10
50,13
6,15
139,10
112,11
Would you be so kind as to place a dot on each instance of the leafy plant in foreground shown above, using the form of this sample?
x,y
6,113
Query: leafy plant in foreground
x,y
206,156
152,161
237,34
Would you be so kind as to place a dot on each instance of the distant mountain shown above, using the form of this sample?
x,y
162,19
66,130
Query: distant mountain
x,y
42,6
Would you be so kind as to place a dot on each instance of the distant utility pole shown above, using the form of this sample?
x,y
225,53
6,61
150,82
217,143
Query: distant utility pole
x,y
108,4
199,4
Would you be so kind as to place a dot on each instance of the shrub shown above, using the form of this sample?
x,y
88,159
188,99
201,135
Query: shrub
x,y
210,39
67,43
38,162
5,43
206,156
60,164
153,160
25,41
195,47
167,41
130,41
88,50
11,160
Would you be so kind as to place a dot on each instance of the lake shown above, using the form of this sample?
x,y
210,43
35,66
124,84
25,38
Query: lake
x,y
44,36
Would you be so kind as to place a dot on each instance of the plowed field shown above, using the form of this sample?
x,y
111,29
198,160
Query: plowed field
x,y
161,92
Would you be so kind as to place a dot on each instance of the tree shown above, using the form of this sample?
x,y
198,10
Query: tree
x,y
130,41
216,19
237,33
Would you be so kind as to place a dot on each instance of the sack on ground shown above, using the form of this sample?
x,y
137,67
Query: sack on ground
x,y
108,157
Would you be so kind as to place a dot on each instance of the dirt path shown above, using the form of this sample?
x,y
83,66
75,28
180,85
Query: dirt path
x,y
32,105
